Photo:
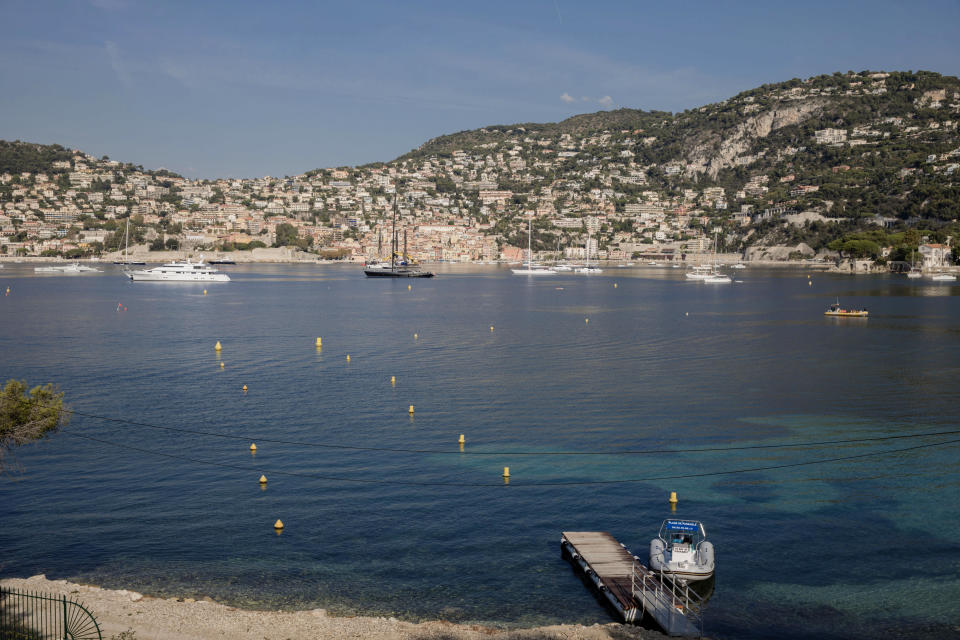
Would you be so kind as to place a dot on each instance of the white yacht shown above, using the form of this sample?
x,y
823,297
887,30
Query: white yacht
x,y
682,550
180,271
943,277
718,278
700,272
74,267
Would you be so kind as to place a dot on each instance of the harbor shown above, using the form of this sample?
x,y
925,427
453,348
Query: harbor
x,y
602,395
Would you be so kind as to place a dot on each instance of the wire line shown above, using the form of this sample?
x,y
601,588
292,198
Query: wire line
x,y
323,445
527,484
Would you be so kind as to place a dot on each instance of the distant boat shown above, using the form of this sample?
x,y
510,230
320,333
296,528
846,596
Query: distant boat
x,y
943,277
177,271
126,246
739,265
532,270
586,268
72,268
223,261
395,270
718,278
837,311
913,273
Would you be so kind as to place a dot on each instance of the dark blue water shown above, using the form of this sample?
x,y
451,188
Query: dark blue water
x,y
862,547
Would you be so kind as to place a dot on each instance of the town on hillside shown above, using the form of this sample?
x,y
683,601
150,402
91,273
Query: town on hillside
x,y
860,169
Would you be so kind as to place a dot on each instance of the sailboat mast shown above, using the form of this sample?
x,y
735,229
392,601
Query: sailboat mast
x,y
393,241
529,243
126,242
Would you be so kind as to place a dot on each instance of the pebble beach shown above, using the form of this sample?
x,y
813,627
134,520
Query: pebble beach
x,y
148,618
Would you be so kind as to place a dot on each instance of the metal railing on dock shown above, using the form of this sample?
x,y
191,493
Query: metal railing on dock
x,y
674,595
26,615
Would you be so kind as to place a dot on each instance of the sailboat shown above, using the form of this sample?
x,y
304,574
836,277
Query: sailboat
x,y
913,273
531,270
586,268
395,270
126,246
715,276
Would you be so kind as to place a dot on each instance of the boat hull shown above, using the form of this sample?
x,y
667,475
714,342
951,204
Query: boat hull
x,y
152,277
398,273
533,272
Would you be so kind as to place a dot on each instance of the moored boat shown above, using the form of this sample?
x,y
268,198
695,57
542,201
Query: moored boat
x,y
74,267
179,271
836,310
682,550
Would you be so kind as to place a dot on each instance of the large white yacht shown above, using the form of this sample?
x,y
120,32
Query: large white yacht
x,y
180,271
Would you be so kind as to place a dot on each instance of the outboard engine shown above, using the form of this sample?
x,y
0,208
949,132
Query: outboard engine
x,y
705,555
658,549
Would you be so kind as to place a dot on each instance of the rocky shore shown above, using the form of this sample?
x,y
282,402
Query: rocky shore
x,y
140,617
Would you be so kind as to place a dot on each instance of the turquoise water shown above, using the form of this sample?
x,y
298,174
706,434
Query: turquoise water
x,y
862,547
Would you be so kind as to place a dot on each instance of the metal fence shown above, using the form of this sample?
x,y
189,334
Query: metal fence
x,y
26,615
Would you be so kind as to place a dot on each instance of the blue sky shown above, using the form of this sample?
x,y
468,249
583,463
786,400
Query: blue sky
x,y
245,89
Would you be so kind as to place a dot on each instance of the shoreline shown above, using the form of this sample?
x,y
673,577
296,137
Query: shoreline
x,y
150,618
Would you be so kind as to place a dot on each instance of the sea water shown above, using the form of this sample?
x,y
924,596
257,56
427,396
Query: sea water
x,y
601,393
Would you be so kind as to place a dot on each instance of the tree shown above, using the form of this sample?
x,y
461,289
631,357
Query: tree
x,y
28,416
286,234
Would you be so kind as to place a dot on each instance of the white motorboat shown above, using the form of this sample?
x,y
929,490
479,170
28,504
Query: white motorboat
x,y
682,550
739,265
943,277
914,274
718,278
180,271
562,267
700,272
74,267
531,269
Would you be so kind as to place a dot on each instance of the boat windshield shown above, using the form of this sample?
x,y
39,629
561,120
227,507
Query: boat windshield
x,y
683,532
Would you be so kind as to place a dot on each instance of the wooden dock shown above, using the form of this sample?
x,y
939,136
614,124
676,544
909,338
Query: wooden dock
x,y
630,587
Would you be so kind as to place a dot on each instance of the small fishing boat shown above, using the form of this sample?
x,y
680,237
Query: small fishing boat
x,y
682,550
836,310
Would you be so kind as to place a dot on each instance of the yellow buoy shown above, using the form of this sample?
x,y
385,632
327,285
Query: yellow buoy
x,y
348,357
319,342
410,410
586,320
217,346
253,447
673,497
614,285
687,313
808,276
221,365
409,288
278,524
263,479
393,379
506,472
415,336
809,283
491,327
461,440
244,388
204,292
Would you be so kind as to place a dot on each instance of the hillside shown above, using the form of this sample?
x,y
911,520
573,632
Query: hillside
x,y
863,163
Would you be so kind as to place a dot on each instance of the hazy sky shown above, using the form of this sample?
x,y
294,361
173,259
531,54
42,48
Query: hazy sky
x,y
243,89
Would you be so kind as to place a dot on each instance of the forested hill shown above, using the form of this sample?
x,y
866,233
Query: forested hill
x,y
872,143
